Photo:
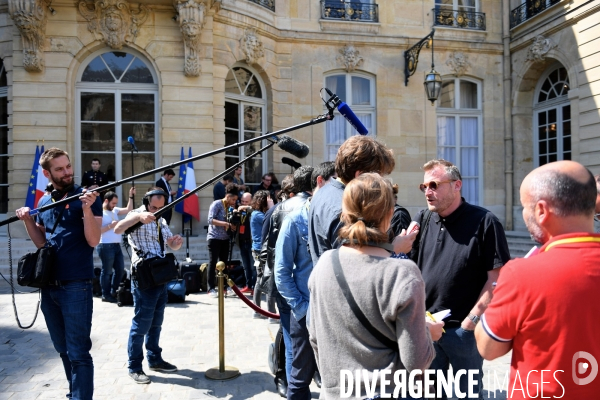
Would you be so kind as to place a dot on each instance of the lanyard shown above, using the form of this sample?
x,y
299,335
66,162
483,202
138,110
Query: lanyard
x,y
585,239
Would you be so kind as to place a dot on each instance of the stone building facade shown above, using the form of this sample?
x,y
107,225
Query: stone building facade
x,y
86,75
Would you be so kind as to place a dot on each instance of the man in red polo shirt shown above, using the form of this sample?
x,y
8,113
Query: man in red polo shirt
x,y
546,307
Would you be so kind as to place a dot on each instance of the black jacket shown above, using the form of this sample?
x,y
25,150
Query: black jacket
x,y
267,252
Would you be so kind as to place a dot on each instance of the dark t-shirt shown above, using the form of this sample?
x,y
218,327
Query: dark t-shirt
x,y
400,220
455,255
73,254
219,191
247,235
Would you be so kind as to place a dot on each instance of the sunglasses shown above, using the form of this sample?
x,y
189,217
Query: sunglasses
x,y
433,185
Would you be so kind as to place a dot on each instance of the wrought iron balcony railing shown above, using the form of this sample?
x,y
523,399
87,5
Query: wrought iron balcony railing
x,y
528,10
459,19
270,4
349,11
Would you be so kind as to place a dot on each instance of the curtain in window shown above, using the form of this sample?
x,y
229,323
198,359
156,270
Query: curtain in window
x,y
469,160
335,131
361,91
446,137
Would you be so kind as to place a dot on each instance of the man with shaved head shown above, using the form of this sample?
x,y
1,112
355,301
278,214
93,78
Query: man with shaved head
x,y
545,307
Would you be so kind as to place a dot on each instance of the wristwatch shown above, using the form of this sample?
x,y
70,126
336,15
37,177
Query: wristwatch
x,y
474,318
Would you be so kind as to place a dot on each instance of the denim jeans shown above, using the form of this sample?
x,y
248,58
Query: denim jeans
x,y
304,364
68,310
248,263
458,347
149,312
112,259
285,313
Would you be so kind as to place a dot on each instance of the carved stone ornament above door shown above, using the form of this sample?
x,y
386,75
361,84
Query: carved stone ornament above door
x,y
114,20
30,17
190,14
251,46
349,57
539,48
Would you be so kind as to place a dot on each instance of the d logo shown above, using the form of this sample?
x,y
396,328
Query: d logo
x,y
582,367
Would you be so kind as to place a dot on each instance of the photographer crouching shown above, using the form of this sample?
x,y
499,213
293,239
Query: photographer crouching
x,y
149,292
221,223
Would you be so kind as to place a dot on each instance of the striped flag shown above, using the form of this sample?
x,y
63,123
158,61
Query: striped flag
x,y
181,188
37,181
191,204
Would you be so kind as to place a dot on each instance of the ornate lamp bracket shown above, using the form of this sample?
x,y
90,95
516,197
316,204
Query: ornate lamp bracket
x,y
411,56
30,17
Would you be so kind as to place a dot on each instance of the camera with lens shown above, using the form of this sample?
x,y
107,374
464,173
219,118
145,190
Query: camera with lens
x,y
233,217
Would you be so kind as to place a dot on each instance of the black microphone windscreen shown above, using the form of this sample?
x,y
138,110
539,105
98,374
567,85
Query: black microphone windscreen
x,y
292,146
290,162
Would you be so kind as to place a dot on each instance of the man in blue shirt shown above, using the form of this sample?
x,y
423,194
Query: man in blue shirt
x,y
67,301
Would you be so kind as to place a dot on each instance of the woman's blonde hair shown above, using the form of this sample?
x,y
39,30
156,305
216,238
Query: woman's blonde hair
x,y
367,201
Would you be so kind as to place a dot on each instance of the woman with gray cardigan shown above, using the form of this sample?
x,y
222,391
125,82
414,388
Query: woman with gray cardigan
x,y
389,292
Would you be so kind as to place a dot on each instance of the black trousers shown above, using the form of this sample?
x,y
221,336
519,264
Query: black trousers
x,y
218,250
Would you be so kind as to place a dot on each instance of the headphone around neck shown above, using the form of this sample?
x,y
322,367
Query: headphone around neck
x,y
157,192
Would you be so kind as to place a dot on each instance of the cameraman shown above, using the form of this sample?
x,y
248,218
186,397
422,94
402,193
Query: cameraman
x,y
221,223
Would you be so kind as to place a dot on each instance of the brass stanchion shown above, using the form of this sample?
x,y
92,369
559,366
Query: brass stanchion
x,y
222,373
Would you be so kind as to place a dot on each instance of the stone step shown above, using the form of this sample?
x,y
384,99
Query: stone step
x,y
519,243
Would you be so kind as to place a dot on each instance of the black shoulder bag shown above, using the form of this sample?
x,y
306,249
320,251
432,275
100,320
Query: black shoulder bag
x,y
341,279
37,269
156,271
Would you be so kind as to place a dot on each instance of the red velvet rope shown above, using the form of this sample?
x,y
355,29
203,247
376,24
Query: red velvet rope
x,y
250,303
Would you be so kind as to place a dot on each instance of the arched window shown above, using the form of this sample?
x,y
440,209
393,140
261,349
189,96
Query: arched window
x,y
459,134
245,118
552,117
3,140
117,98
358,91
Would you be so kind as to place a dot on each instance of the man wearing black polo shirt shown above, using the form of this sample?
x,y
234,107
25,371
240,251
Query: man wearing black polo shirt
x,y
459,251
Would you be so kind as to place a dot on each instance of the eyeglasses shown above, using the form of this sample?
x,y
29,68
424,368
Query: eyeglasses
x,y
433,185
597,217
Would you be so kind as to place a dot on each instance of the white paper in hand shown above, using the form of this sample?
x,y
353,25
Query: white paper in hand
x,y
440,315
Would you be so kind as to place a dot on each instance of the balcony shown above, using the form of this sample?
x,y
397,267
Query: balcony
x,y
459,19
528,10
349,11
269,4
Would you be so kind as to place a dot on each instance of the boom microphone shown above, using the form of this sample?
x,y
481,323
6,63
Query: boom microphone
x,y
292,146
290,162
345,110
132,142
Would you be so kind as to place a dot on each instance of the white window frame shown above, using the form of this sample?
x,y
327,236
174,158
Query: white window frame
x,y
459,113
557,103
455,5
241,101
357,109
4,93
118,89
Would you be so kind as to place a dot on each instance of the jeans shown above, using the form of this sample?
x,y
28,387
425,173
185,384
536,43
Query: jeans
x,y
248,263
304,364
112,259
67,309
218,250
149,312
284,319
458,347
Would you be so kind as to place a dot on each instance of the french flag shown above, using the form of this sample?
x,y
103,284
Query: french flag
x,y
37,181
187,182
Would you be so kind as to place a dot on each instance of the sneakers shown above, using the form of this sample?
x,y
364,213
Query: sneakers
x,y
273,321
109,299
229,292
245,289
259,316
213,293
163,366
139,377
